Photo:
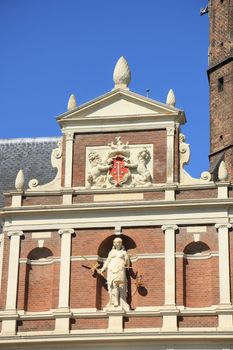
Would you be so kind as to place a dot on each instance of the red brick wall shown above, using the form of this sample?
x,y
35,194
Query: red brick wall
x,y
38,285
89,198
221,30
183,238
42,200
7,201
200,282
35,325
28,243
221,102
176,156
88,323
198,321
196,194
152,292
143,322
63,161
157,138
197,283
41,281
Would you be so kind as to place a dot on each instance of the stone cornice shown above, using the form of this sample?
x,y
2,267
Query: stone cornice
x,y
191,203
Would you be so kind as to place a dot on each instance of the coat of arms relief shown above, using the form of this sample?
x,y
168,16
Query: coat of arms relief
x,y
119,165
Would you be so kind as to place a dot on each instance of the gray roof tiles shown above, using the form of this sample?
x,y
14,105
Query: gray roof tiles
x,y
33,156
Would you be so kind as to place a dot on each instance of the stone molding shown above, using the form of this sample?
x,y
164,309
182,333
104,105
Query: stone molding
x,y
15,233
69,136
170,227
222,225
68,231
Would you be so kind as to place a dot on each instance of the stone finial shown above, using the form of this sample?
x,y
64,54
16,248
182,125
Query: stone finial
x,y
19,181
121,74
171,99
72,104
222,171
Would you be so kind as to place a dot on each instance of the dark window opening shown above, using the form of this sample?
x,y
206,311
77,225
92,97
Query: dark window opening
x,y
220,84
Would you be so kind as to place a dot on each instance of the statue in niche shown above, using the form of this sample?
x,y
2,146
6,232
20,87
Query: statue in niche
x,y
97,177
143,176
116,265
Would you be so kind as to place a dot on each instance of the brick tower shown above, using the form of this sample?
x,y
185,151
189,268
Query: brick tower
x,y
220,75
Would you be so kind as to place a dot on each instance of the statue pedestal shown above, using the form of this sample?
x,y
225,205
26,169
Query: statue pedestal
x,y
115,320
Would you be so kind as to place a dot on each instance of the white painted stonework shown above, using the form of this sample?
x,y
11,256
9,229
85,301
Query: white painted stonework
x,y
56,161
137,158
185,178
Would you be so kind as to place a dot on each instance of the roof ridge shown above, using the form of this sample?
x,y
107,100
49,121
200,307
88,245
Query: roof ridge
x,y
30,140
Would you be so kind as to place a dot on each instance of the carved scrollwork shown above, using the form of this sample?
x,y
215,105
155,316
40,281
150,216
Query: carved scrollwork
x,y
185,178
33,183
56,158
206,176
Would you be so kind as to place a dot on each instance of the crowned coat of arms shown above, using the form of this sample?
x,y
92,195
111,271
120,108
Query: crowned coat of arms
x,y
117,169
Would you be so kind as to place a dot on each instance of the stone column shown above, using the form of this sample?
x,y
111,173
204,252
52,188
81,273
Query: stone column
x,y
170,311
63,312
9,326
170,154
69,139
225,318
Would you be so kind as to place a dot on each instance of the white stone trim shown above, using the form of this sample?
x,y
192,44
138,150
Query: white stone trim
x,y
16,200
9,325
169,264
43,234
197,256
67,199
2,237
196,229
224,263
13,269
222,189
69,140
64,284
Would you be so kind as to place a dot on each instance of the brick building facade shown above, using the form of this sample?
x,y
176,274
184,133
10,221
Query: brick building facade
x,y
120,174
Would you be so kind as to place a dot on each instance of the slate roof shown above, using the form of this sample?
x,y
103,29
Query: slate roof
x,y
32,155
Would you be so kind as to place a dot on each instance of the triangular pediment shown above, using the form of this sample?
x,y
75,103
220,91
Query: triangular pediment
x,y
119,103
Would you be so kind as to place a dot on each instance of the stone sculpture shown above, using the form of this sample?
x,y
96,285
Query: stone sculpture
x,y
143,176
119,168
116,265
97,176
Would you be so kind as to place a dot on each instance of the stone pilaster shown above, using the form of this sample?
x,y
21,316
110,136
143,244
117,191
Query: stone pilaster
x,y
225,317
170,312
62,314
9,325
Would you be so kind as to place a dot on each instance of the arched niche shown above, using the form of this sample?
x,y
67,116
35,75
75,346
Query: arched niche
x,y
39,280
198,280
105,246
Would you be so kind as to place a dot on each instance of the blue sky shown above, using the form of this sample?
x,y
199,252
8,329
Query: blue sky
x,y
52,48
